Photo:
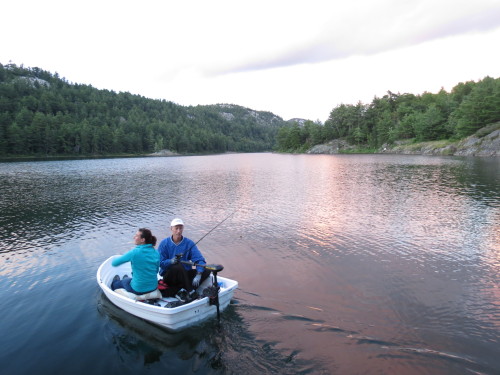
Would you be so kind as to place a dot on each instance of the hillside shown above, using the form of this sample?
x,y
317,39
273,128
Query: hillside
x,y
404,121
485,142
233,112
44,115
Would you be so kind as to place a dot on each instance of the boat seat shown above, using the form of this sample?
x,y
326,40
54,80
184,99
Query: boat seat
x,y
139,297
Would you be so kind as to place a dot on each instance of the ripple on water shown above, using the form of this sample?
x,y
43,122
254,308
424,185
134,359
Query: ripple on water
x,y
356,263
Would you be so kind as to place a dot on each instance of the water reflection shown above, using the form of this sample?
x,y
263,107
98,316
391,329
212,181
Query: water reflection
x,y
351,263
207,346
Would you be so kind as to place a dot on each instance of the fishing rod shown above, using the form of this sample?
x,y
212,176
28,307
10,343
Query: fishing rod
x,y
210,231
213,268
206,234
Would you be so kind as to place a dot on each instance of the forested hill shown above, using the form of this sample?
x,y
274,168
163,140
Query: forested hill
x,y
43,114
406,118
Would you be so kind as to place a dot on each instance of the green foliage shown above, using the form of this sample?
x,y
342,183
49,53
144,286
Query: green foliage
x,y
428,117
42,114
487,130
297,138
479,108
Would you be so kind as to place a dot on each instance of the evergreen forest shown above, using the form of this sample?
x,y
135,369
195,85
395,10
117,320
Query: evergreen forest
x,y
469,107
42,114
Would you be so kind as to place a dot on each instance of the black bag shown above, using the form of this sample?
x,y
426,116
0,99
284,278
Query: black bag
x,y
165,290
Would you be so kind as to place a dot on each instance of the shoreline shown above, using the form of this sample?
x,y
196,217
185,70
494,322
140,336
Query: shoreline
x,y
475,145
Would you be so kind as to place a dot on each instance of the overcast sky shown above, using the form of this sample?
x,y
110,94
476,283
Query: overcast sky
x,y
292,58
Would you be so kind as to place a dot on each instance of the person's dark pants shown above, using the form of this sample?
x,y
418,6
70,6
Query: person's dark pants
x,y
177,278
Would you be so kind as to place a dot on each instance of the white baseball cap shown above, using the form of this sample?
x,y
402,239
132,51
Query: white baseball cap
x,y
176,221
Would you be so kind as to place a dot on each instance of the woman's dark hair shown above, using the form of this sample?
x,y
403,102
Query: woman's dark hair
x,y
148,236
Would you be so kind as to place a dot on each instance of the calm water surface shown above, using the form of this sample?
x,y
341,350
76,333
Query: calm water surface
x,y
347,264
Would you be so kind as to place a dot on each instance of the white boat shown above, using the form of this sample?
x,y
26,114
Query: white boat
x,y
172,318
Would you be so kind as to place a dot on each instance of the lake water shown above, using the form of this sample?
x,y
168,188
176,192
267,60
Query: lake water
x,y
347,264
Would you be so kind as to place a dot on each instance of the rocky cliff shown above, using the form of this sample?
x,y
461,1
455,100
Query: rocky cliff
x,y
486,142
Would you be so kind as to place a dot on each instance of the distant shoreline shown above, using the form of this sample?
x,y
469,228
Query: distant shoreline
x,y
480,146
475,145
160,154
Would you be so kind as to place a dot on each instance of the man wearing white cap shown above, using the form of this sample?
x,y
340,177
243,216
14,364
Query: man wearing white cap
x,y
177,275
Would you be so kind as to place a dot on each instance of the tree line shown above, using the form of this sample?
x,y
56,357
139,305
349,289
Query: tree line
x,y
427,117
43,114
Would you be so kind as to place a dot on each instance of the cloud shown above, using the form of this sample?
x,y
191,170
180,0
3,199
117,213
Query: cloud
x,y
224,37
295,58
374,28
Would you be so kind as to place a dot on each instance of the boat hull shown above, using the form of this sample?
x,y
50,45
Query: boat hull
x,y
173,319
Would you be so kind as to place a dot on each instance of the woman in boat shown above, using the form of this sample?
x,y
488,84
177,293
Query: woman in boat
x,y
175,274
145,262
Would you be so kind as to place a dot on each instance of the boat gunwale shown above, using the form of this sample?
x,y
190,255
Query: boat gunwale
x,y
158,309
